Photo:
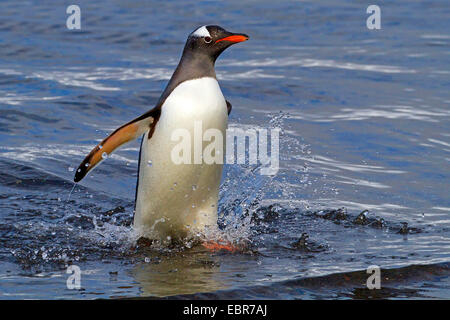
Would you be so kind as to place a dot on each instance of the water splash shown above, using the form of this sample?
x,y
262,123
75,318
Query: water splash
x,y
70,193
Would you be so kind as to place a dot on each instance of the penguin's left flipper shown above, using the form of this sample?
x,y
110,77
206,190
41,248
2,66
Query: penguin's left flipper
x,y
120,136
228,106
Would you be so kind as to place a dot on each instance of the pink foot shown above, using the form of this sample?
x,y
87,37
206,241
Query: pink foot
x,y
220,245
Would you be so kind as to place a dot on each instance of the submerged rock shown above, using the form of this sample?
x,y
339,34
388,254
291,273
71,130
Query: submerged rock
x,y
362,218
337,215
302,242
404,229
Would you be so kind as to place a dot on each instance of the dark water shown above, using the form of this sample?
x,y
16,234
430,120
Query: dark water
x,y
365,121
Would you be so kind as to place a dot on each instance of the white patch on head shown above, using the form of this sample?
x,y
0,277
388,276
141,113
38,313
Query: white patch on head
x,y
201,32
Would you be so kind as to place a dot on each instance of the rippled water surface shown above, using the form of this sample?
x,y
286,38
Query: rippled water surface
x,y
365,121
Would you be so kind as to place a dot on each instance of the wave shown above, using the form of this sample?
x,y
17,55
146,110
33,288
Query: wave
x,y
398,283
313,63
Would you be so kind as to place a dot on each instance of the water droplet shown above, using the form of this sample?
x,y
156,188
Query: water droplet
x,y
71,169
104,155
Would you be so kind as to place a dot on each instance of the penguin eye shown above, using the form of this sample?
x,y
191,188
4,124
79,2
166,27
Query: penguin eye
x,y
208,39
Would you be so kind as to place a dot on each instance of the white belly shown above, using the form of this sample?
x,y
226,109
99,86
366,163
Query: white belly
x,y
180,200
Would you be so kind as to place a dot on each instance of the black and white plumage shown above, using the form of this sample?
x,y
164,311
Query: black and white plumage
x,y
177,200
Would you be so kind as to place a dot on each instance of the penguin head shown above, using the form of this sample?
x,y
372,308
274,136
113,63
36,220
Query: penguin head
x,y
211,41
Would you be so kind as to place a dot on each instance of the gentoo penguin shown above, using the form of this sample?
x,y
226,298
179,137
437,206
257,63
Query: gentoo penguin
x,y
177,201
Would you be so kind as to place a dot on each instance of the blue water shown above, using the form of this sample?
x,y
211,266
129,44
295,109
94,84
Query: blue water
x,y
365,118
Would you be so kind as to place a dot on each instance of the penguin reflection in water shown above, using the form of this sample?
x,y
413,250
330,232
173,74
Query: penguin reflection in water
x,y
177,201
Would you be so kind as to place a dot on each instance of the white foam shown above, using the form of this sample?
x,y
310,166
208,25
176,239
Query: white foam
x,y
94,78
201,32
346,166
32,152
15,99
376,111
311,63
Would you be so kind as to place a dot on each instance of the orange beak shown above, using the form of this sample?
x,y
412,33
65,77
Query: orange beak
x,y
234,38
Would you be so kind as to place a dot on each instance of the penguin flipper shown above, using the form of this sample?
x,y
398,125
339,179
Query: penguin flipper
x,y
126,133
229,106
